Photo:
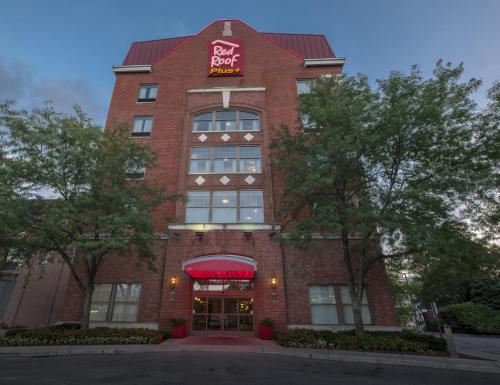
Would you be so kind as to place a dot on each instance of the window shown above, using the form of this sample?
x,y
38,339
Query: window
x,y
304,86
306,122
115,302
332,305
224,207
142,126
227,120
147,92
251,206
323,305
347,307
225,159
243,206
135,172
126,304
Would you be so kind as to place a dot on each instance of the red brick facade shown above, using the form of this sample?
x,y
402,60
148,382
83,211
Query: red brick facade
x,y
270,75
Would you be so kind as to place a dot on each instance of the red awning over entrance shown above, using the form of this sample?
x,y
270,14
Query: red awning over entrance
x,y
220,267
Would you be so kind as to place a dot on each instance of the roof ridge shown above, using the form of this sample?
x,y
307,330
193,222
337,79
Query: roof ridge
x,y
165,38
292,33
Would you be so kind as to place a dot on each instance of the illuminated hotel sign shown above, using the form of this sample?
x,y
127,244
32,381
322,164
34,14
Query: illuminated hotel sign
x,y
225,58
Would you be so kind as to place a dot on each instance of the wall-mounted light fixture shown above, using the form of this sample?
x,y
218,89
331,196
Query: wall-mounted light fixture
x,y
247,235
176,235
200,235
274,282
173,282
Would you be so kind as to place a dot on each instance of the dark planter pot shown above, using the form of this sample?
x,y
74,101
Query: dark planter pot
x,y
179,331
266,332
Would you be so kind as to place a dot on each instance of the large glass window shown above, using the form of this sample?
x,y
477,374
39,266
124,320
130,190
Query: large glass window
x,y
347,307
115,302
198,207
225,159
329,302
323,305
224,207
243,206
126,304
226,120
251,206
142,126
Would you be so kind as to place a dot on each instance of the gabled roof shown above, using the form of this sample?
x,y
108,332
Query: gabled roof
x,y
306,45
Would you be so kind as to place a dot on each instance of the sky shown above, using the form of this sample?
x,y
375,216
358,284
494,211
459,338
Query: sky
x,y
63,50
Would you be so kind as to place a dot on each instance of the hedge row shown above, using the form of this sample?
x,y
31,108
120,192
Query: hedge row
x,y
374,341
471,317
97,336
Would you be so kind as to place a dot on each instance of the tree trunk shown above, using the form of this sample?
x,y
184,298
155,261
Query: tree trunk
x,y
357,315
87,302
353,285
87,298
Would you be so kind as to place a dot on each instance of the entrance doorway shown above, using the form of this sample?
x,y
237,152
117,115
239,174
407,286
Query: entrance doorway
x,y
223,307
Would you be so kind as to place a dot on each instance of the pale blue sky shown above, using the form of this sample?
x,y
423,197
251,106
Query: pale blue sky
x,y
63,50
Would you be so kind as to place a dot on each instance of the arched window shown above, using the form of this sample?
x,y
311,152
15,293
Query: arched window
x,y
226,120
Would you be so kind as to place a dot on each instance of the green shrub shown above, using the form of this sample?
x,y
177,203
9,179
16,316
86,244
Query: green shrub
x,y
471,317
371,341
267,322
97,336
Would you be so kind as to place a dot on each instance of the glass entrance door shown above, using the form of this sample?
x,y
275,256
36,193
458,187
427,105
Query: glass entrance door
x,y
226,311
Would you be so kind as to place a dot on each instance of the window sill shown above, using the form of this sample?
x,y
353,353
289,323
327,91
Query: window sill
x,y
141,136
215,132
225,173
145,101
219,226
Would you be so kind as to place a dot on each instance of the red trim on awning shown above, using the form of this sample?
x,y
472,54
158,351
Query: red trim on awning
x,y
220,267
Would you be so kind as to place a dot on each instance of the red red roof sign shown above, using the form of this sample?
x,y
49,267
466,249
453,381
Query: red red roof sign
x,y
225,58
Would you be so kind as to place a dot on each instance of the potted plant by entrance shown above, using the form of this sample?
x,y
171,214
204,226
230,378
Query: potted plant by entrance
x,y
266,329
179,328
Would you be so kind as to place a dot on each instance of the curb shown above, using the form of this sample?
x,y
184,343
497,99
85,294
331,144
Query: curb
x,y
459,364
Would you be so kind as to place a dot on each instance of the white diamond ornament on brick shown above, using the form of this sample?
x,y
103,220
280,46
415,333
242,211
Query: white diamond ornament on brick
x,y
200,180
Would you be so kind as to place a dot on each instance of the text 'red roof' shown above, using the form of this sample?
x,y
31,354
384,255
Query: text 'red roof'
x,y
307,46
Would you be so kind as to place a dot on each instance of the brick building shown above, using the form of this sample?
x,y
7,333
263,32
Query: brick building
x,y
206,104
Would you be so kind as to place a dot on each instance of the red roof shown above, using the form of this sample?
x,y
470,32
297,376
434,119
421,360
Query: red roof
x,y
307,46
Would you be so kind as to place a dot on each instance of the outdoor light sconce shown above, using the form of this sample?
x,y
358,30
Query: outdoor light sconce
x,y
177,235
200,235
173,282
247,235
273,282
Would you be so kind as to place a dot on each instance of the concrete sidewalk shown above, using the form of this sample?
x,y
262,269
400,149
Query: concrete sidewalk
x,y
253,345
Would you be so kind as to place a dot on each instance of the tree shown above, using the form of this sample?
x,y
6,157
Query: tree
x,y
66,189
390,166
